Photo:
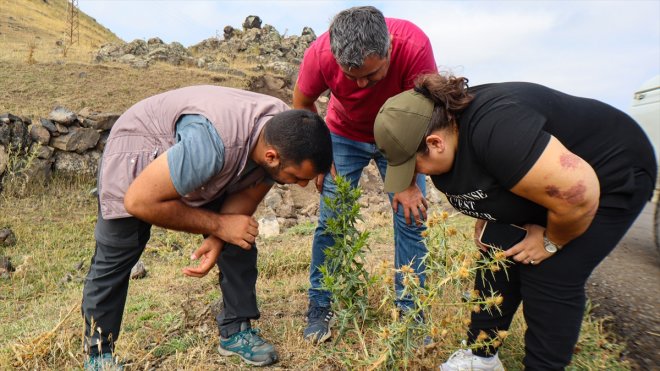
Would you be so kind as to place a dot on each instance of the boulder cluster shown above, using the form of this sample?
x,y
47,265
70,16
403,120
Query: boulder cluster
x,y
262,45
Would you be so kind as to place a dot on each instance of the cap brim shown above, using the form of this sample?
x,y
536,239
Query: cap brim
x,y
399,177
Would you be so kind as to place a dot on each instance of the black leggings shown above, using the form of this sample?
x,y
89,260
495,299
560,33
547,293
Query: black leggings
x,y
552,292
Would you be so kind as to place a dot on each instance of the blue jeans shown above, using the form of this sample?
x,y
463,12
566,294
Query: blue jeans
x,y
350,157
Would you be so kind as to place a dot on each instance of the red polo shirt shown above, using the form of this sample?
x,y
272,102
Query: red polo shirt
x,y
352,110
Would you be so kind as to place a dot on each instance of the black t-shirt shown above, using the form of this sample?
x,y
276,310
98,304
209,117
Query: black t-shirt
x,y
506,128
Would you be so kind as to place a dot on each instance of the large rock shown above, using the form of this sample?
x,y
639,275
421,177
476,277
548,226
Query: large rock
x,y
8,117
370,181
100,146
108,51
74,163
78,140
62,116
101,121
252,21
43,152
5,133
14,134
155,41
39,134
228,32
40,171
136,47
273,199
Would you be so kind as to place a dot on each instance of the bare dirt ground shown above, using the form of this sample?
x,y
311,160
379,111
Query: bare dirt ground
x,y
626,289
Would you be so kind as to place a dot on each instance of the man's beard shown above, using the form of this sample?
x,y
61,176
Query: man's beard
x,y
274,173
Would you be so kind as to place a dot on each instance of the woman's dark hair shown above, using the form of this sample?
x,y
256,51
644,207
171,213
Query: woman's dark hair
x,y
451,97
300,135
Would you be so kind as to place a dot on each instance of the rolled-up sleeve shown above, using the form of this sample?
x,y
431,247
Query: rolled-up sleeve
x,y
198,154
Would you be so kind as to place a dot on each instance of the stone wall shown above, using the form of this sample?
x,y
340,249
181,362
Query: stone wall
x,y
64,141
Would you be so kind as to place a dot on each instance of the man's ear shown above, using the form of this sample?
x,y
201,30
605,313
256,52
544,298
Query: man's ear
x,y
272,157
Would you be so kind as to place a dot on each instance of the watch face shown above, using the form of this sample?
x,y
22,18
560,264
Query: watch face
x,y
550,247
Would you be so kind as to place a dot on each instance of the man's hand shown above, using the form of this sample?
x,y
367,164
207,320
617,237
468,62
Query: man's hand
x,y
239,230
208,252
321,177
412,200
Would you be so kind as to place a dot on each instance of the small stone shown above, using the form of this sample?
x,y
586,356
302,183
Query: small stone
x,y
49,125
269,226
138,271
7,237
5,268
62,129
67,278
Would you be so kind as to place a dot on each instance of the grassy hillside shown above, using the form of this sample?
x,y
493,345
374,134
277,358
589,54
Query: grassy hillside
x,y
34,89
39,24
36,75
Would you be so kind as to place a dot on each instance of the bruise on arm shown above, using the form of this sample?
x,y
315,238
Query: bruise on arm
x,y
567,186
569,160
574,195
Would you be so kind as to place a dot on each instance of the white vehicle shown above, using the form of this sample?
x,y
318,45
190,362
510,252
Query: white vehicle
x,y
645,109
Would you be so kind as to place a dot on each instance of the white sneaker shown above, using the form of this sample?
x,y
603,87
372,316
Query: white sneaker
x,y
464,360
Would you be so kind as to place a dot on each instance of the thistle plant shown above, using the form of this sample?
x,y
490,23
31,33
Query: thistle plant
x,y
344,273
443,306
440,316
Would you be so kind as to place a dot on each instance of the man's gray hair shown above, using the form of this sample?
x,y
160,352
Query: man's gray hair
x,y
357,33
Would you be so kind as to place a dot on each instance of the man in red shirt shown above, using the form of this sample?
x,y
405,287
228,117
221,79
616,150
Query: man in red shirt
x,y
363,60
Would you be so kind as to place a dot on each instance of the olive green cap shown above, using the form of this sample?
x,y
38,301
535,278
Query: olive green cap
x,y
399,130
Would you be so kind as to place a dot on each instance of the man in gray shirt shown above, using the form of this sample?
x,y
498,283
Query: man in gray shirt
x,y
197,159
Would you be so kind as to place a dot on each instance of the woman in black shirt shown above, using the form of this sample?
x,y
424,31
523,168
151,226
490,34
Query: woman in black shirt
x,y
574,172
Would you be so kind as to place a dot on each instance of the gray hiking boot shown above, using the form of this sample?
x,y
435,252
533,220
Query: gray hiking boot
x,y
248,345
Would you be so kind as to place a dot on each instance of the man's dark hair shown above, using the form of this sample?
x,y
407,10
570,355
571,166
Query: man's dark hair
x,y
357,33
300,135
